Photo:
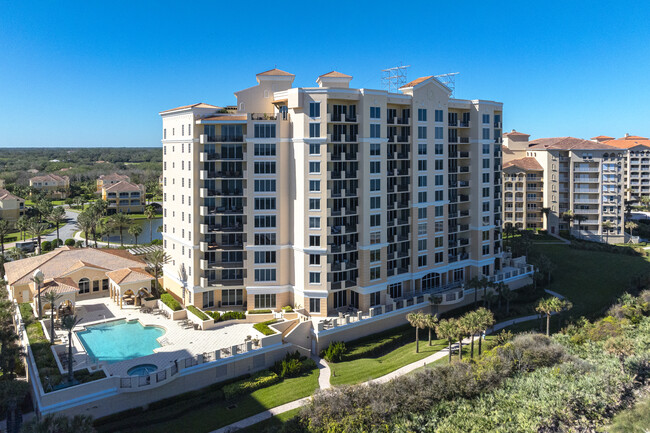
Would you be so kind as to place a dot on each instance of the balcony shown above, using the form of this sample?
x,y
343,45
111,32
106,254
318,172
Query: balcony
x,y
264,116
205,193
220,210
205,138
213,156
214,246
586,169
208,282
585,179
341,117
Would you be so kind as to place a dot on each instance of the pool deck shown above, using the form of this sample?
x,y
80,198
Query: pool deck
x,y
177,342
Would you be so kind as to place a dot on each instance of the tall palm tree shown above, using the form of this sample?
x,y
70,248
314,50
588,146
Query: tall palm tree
x,y
85,223
51,296
44,208
508,295
486,321
490,298
548,306
150,213
472,324
446,329
57,216
5,229
37,230
22,224
608,226
631,226
16,253
474,283
580,218
567,217
460,332
156,260
104,227
418,321
135,230
120,221
430,322
68,323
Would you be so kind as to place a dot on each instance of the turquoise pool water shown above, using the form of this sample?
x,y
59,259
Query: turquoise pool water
x,y
142,370
120,340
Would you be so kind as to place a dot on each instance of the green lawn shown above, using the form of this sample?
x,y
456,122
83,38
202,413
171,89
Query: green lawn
x,y
273,422
379,354
592,280
192,414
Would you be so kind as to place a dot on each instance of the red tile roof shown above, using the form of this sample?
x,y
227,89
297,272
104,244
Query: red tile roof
x,y
335,74
514,133
567,143
114,176
50,177
6,195
416,82
124,186
602,138
527,163
276,71
629,141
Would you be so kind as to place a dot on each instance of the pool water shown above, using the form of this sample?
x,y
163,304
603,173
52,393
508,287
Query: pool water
x,y
120,340
142,370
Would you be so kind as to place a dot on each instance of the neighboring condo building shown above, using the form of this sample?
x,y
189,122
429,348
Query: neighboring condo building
x,y
564,183
11,207
636,166
124,197
51,185
331,197
106,180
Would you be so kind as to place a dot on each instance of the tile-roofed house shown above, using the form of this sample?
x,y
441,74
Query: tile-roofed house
x,y
416,81
12,207
86,269
110,179
629,142
516,134
129,275
567,143
54,186
124,197
334,79
602,138
526,163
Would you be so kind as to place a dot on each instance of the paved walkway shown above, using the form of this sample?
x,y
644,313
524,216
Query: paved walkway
x,y
325,373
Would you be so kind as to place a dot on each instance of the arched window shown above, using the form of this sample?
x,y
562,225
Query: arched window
x,y
84,285
430,281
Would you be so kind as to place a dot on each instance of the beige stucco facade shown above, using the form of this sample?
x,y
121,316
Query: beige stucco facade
x,y
330,197
52,185
11,206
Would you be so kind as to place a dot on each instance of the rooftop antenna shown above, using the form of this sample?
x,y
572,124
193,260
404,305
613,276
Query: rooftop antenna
x,y
448,80
394,78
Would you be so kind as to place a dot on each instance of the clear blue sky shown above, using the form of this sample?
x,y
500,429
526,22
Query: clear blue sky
x,y
97,73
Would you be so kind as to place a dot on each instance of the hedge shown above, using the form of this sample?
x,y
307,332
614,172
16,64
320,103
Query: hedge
x,y
214,314
260,380
171,302
263,327
287,309
198,313
232,315
69,242
259,311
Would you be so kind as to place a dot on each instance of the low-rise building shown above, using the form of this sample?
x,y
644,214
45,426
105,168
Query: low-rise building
x,y
564,184
106,180
52,185
125,197
11,207
79,273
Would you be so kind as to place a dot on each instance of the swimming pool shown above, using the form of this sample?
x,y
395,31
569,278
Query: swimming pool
x,y
120,340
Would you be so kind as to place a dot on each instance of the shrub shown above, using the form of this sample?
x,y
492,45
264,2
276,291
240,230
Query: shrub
x,y
263,327
260,380
170,302
157,242
198,313
290,368
232,315
69,242
46,246
287,308
150,298
214,314
334,352
259,311
57,243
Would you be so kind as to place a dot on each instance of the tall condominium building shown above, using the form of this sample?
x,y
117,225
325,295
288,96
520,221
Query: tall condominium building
x,y
330,197
636,164
564,183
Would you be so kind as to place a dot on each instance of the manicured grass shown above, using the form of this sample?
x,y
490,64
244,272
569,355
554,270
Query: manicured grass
x,y
592,280
273,422
360,368
193,415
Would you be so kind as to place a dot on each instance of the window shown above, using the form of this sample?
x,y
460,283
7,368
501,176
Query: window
x,y
439,195
314,186
422,148
422,114
422,165
439,149
314,222
375,130
486,177
438,242
264,238
486,192
375,220
422,181
486,206
375,202
265,275
422,132
314,278
265,301
375,167
486,133
486,235
232,297
264,130
314,204
486,118
375,255
438,115
314,167
486,148
422,260
264,257
375,149
439,133
486,250
314,109
439,179
84,285
395,290
314,241
340,299
375,298
265,167
422,244
314,259
314,305
105,284
422,197
264,221
422,213
314,130
375,184
265,185
375,272
208,299
375,113
375,237
314,148
264,149
422,229
266,203
96,286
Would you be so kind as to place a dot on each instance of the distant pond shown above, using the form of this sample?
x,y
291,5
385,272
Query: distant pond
x,y
144,238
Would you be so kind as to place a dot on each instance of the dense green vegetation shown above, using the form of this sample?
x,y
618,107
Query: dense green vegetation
x,y
170,302
263,327
198,313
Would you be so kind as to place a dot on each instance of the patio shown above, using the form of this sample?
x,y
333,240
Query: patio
x,y
178,341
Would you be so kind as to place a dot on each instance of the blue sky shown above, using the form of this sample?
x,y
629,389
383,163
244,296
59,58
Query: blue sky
x,y
97,73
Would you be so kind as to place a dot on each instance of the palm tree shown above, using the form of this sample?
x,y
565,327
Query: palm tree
x,y
631,226
150,213
446,329
430,322
37,229
472,324
44,208
580,218
135,231
545,266
120,221
609,226
548,306
22,224
12,392
418,321
486,321
156,260
435,301
474,283
58,216
500,288
490,298
567,217
37,278
5,229
51,296
508,295
60,424
68,323
105,226
646,201
15,253
460,333
85,223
